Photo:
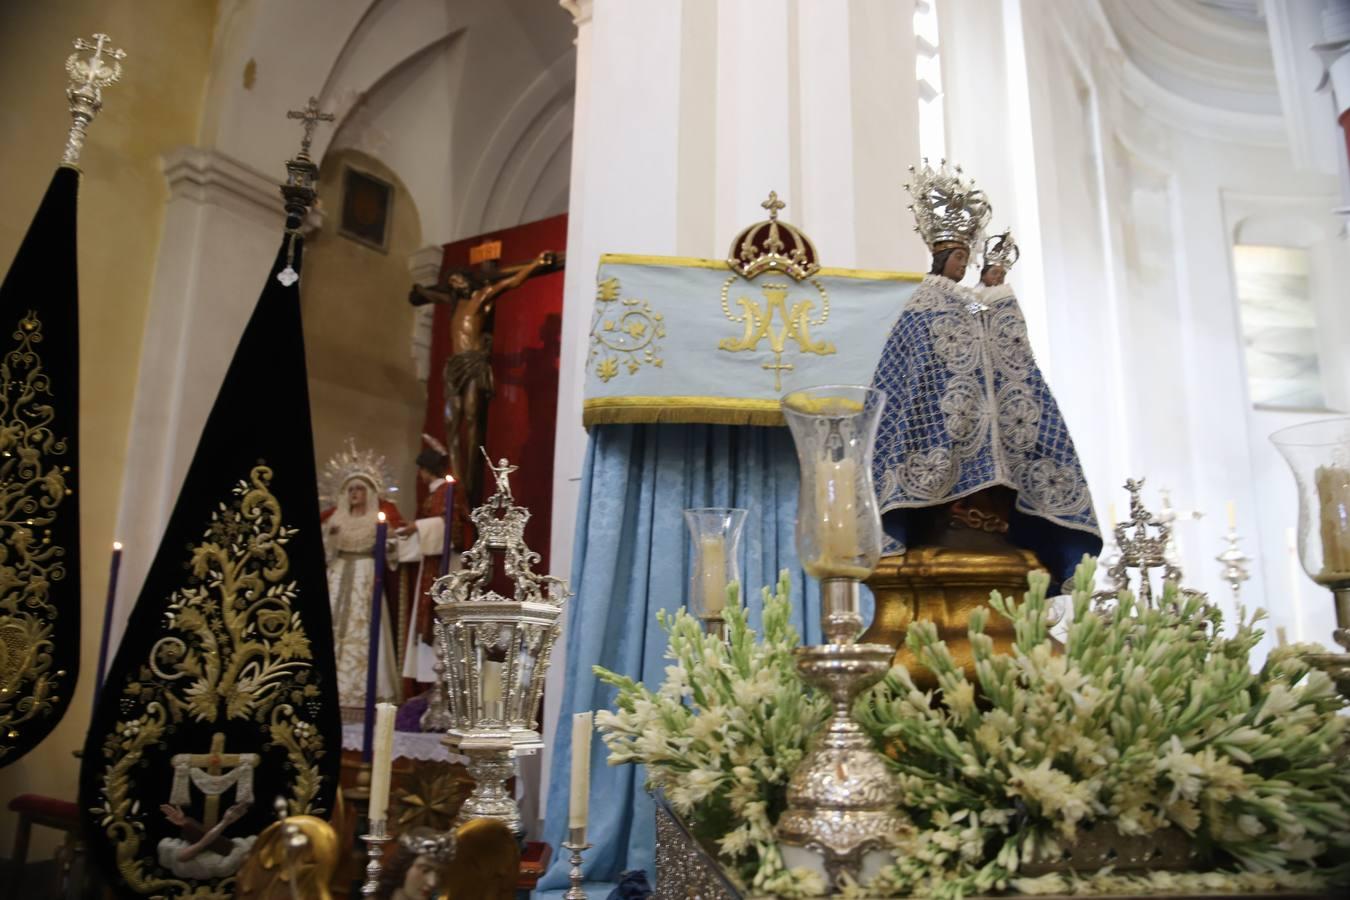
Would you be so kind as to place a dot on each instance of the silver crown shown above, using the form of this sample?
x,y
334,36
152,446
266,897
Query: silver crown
x,y
1001,250
425,842
948,209
353,463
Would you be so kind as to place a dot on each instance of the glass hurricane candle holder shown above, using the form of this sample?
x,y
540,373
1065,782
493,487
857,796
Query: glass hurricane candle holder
x,y
716,533
838,526
1319,454
842,800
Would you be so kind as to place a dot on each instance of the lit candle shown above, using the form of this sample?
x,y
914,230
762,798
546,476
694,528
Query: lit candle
x,y
373,649
446,544
578,807
1232,516
1111,515
107,621
712,556
492,689
383,762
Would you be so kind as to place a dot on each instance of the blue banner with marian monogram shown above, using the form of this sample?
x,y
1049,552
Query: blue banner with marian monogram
x,y
675,339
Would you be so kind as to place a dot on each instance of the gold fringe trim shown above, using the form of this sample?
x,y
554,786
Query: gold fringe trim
x,y
694,262
680,411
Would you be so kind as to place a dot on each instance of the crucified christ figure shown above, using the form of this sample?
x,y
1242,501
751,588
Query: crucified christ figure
x,y
468,371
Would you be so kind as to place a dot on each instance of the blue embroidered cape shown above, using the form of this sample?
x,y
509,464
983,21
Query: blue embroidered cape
x,y
968,409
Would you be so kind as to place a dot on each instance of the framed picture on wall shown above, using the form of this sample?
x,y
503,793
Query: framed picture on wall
x,y
366,203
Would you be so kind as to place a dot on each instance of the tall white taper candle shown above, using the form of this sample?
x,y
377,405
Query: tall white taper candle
x,y
579,806
383,761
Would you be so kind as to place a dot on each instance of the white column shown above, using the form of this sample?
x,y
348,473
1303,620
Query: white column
x,y
623,199
425,268
222,228
826,207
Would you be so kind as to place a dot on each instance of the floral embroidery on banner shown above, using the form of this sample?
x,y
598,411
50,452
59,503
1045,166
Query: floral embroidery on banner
x,y
235,650
30,562
624,332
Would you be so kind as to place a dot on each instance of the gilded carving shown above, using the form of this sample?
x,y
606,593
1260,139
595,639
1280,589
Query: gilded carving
x,y
32,488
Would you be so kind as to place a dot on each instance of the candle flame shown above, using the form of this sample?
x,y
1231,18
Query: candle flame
x,y
117,545
381,516
449,479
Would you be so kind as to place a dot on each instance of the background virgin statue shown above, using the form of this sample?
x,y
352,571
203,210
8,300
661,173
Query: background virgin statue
x,y
972,452
355,482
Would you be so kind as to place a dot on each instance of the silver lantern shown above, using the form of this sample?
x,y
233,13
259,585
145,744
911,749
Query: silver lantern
x,y
494,650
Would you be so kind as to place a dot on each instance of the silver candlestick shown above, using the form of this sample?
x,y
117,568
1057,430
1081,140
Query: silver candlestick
x,y
1234,563
375,842
576,844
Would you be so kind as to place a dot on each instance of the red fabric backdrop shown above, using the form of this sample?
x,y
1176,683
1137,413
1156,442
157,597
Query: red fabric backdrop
x,y
525,347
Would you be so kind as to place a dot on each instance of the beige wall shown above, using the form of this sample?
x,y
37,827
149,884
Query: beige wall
x,y
358,331
155,107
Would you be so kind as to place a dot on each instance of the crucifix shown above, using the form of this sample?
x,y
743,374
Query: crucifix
x,y
311,117
88,77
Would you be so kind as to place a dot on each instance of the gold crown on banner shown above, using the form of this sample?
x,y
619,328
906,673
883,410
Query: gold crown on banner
x,y
1001,250
352,463
949,211
772,245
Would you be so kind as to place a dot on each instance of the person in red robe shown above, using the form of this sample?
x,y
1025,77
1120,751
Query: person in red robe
x,y
421,544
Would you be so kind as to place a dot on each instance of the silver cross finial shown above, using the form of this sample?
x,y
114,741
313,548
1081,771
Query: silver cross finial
x,y
88,77
311,117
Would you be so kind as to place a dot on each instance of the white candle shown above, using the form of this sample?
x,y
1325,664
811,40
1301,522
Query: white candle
x,y
492,689
1111,515
579,805
712,556
836,505
1232,516
383,761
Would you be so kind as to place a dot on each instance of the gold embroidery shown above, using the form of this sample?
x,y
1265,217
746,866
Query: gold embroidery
x,y
758,322
693,262
236,650
32,488
623,332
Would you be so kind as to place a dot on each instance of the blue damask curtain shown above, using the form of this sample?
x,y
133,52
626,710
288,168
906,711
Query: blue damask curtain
x,y
631,559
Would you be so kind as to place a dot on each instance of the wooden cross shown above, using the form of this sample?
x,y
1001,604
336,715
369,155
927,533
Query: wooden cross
x,y
312,117
214,762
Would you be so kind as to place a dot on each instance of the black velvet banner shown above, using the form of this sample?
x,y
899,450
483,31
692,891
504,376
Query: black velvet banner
x,y
39,468
222,696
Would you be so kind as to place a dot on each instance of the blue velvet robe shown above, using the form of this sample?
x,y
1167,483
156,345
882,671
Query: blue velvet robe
x,y
968,409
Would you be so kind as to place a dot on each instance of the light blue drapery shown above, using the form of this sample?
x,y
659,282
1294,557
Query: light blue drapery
x,y
631,559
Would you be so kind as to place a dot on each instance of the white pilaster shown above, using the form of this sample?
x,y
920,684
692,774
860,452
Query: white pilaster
x,y
222,228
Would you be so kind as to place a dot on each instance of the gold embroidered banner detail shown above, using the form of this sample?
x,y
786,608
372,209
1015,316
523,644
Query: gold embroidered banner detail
x,y
680,410
235,651
32,487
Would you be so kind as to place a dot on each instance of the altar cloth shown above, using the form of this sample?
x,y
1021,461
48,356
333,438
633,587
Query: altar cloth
x,y
677,339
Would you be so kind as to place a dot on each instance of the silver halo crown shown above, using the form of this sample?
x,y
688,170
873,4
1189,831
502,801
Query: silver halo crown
x,y
948,209
1001,250
439,846
352,463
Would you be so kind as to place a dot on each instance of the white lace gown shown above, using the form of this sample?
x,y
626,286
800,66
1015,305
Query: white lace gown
x,y
351,582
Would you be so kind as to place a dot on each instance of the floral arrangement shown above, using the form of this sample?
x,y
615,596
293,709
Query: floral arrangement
x,y
723,733
1147,719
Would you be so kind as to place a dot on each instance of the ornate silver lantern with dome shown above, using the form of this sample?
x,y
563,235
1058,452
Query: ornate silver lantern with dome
x,y
494,650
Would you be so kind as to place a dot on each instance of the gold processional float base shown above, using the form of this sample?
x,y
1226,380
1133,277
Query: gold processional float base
x,y
942,585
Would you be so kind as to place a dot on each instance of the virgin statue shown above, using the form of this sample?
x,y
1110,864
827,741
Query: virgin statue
x,y
972,452
356,482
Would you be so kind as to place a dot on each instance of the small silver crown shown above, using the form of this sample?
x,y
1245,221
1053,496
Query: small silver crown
x,y
1001,250
948,209
422,842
